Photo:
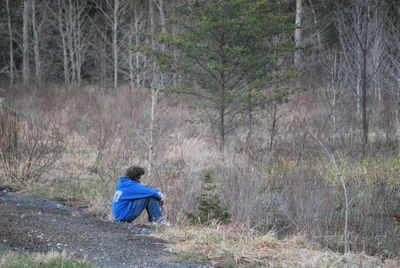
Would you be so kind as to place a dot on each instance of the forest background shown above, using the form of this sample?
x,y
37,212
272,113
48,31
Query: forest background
x,y
292,106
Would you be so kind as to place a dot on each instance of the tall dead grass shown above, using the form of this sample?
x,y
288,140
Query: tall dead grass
x,y
235,246
289,188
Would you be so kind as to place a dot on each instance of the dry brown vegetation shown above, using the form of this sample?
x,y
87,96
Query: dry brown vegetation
x,y
325,165
289,189
232,246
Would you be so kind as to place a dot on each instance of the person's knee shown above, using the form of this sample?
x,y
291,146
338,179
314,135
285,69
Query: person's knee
x,y
152,199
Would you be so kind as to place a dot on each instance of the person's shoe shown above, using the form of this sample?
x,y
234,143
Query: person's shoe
x,y
162,222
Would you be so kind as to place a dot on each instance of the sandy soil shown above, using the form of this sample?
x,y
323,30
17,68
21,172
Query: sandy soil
x,y
42,226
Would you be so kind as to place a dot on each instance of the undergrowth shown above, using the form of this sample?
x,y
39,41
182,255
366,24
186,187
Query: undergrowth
x,y
11,259
234,246
288,189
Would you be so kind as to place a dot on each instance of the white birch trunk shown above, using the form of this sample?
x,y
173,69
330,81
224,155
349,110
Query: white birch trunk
x,y
154,100
154,90
153,39
137,43
298,32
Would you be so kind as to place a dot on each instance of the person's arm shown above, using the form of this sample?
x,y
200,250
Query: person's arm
x,y
136,191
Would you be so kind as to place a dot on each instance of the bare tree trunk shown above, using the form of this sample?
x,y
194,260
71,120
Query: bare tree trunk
x,y
154,89
153,38
153,115
114,12
221,128
398,115
152,25
163,22
273,129
175,76
36,51
298,32
25,44
78,48
318,32
130,60
115,41
362,26
73,28
358,81
364,101
64,44
70,23
103,65
137,62
137,20
250,118
134,57
164,31
363,64
11,48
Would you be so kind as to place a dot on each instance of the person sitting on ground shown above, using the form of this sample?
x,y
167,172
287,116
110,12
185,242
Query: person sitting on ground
x,y
131,198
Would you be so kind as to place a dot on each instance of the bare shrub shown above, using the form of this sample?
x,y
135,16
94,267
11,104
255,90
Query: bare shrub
x,y
28,147
179,182
179,175
246,191
100,135
276,194
312,203
309,202
375,199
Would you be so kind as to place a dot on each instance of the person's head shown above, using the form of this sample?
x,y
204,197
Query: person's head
x,y
134,173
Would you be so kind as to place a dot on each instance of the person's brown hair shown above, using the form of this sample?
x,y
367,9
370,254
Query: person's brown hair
x,y
134,172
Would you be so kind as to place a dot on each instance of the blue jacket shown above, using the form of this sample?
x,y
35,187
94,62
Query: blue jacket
x,y
126,191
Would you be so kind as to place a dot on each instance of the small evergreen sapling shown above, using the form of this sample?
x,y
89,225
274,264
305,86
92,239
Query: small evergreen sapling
x,y
209,205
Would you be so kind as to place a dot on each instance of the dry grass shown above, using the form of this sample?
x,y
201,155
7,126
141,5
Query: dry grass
x,y
290,189
230,246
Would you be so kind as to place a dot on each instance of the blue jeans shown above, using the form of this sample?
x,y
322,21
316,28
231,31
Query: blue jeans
x,y
150,204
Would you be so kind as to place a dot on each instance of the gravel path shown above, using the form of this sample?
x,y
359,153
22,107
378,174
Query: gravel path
x,y
41,226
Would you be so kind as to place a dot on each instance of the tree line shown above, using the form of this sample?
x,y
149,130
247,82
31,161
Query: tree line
x,y
71,41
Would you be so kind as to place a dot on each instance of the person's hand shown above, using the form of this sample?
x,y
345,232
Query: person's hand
x,y
162,200
161,203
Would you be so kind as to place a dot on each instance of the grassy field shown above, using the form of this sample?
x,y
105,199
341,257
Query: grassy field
x,y
276,195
